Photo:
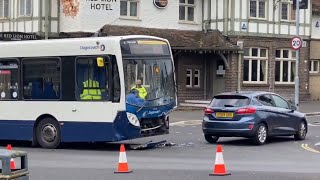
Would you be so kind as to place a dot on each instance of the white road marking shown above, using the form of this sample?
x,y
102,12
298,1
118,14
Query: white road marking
x,y
186,123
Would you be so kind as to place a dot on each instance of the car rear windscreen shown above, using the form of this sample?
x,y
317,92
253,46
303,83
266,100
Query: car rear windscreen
x,y
230,101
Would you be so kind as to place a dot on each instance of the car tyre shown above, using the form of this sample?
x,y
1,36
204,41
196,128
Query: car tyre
x,y
261,135
48,133
211,139
302,131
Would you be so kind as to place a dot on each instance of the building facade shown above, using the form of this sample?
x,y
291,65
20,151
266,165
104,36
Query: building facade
x,y
265,29
314,65
218,45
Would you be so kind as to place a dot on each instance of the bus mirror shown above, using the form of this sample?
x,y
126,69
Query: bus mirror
x,y
100,61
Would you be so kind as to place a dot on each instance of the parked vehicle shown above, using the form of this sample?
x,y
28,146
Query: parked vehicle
x,y
252,114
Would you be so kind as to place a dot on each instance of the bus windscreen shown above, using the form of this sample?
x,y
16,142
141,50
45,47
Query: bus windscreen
x,y
144,47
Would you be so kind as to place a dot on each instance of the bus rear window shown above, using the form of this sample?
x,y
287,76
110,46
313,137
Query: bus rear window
x,y
230,101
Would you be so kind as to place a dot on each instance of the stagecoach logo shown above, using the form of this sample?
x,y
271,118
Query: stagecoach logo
x,y
150,113
160,3
98,46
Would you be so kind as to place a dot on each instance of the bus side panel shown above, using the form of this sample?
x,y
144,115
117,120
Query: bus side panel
x,y
120,129
16,130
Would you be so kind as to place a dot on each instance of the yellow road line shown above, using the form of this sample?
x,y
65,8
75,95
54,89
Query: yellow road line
x,y
306,147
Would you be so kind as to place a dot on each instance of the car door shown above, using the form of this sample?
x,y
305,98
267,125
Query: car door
x,y
285,120
269,112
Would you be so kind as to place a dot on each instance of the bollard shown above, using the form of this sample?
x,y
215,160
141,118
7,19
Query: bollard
x,y
16,174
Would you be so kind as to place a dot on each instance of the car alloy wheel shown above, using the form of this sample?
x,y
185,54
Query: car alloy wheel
x,y
261,134
302,131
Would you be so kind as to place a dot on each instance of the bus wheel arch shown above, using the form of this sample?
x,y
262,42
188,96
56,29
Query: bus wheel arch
x,y
47,132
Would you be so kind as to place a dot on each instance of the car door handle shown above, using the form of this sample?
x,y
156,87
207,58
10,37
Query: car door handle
x,y
74,110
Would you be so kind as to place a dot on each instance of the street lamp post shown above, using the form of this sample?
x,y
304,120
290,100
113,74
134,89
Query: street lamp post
x,y
296,83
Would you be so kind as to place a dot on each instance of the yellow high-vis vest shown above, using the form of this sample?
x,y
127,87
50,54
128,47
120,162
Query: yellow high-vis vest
x,y
91,93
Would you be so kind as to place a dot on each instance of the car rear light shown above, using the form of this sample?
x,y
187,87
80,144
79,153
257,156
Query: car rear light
x,y
208,111
249,110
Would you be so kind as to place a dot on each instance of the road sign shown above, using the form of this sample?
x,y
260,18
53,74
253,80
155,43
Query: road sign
x,y
296,43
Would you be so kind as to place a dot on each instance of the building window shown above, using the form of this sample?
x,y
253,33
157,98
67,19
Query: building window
x,y
193,78
9,74
25,7
41,78
258,9
186,10
196,78
314,66
255,65
287,11
4,8
129,8
285,66
189,78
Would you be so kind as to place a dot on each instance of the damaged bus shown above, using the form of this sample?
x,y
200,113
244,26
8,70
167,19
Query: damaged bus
x,y
85,89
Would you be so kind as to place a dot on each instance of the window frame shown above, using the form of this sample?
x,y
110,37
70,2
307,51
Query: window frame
x,y
196,76
128,16
269,96
25,8
258,10
186,5
312,63
39,59
272,95
3,16
258,58
281,59
289,12
110,84
19,79
190,76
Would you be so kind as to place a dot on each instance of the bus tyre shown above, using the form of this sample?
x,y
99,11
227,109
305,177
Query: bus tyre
x,y
48,133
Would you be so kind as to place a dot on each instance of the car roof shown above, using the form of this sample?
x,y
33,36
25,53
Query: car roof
x,y
246,93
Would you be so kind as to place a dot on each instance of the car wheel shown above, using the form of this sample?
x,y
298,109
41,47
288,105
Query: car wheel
x,y
260,137
48,133
211,139
302,131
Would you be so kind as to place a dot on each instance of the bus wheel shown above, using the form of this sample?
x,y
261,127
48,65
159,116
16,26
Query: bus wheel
x,y
48,133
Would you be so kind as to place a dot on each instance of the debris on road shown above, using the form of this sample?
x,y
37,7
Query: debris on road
x,y
151,145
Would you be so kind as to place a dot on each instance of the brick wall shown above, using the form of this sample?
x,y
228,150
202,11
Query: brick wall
x,y
272,44
189,60
232,73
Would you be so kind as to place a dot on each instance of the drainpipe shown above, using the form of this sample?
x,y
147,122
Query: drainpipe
x,y
46,19
203,23
40,18
239,72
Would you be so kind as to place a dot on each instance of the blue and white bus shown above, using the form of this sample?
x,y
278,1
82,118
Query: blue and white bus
x,y
42,85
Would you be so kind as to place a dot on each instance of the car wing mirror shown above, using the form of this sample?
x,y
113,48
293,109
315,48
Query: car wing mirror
x,y
293,107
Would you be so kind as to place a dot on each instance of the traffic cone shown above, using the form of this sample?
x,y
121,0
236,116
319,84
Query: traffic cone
x,y
123,164
219,167
12,163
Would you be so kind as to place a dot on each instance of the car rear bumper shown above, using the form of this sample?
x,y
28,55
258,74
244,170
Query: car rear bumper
x,y
228,128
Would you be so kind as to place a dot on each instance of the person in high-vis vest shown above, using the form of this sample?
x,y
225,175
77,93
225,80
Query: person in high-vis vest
x,y
91,88
142,91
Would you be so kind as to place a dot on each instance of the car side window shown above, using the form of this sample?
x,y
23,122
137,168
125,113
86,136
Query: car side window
x,y
280,102
265,100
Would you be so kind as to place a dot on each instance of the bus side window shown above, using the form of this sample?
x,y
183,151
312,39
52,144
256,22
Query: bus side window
x,y
9,79
41,78
116,80
92,81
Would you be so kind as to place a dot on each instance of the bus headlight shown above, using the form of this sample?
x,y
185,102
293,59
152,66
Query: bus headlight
x,y
133,119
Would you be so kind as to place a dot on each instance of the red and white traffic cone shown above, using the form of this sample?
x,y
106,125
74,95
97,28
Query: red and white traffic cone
x,y
219,167
12,163
123,164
